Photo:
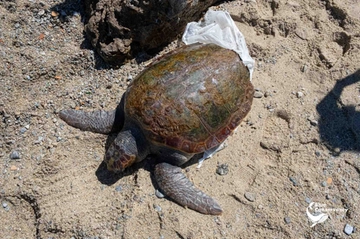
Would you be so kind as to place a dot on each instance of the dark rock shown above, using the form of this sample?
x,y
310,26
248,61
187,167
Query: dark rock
x,y
119,29
15,155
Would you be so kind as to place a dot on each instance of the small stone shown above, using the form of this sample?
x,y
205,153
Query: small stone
x,y
308,200
287,220
250,196
330,53
267,94
329,181
13,168
317,153
39,140
98,158
299,94
54,14
294,181
118,188
264,145
304,68
258,94
313,122
23,130
250,123
159,194
337,150
222,169
157,208
15,155
6,206
41,12
348,229
323,184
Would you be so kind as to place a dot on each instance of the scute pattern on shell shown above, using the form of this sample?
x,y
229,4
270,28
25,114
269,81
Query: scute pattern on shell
x,y
192,99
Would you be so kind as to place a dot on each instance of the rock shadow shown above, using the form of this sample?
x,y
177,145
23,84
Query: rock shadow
x,y
108,177
339,124
69,9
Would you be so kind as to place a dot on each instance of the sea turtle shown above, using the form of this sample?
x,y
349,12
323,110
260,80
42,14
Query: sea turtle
x,y
185,103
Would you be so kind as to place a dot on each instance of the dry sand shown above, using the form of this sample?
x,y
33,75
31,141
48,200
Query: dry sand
x,y
299,144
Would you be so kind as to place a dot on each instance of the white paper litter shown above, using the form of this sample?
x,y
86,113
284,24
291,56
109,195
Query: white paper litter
x,y
219,28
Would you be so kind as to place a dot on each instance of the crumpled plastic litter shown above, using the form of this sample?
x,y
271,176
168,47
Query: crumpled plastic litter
x,y
219,28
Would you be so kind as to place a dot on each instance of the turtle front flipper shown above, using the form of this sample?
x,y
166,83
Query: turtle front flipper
x,y
103,122
178,187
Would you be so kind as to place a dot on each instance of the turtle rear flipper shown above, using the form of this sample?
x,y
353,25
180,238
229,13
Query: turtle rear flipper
x,y
103,122
178,187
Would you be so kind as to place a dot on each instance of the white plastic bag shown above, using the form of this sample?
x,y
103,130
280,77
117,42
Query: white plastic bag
x,y
219,28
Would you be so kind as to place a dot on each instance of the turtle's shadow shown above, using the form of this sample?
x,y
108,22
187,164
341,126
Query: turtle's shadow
x,y
108,177
104,175
339,124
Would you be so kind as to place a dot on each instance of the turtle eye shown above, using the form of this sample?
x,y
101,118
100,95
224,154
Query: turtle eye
x,y
114,164
112,160
110,164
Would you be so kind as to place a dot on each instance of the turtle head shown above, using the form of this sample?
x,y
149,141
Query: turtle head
x,y
122,152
